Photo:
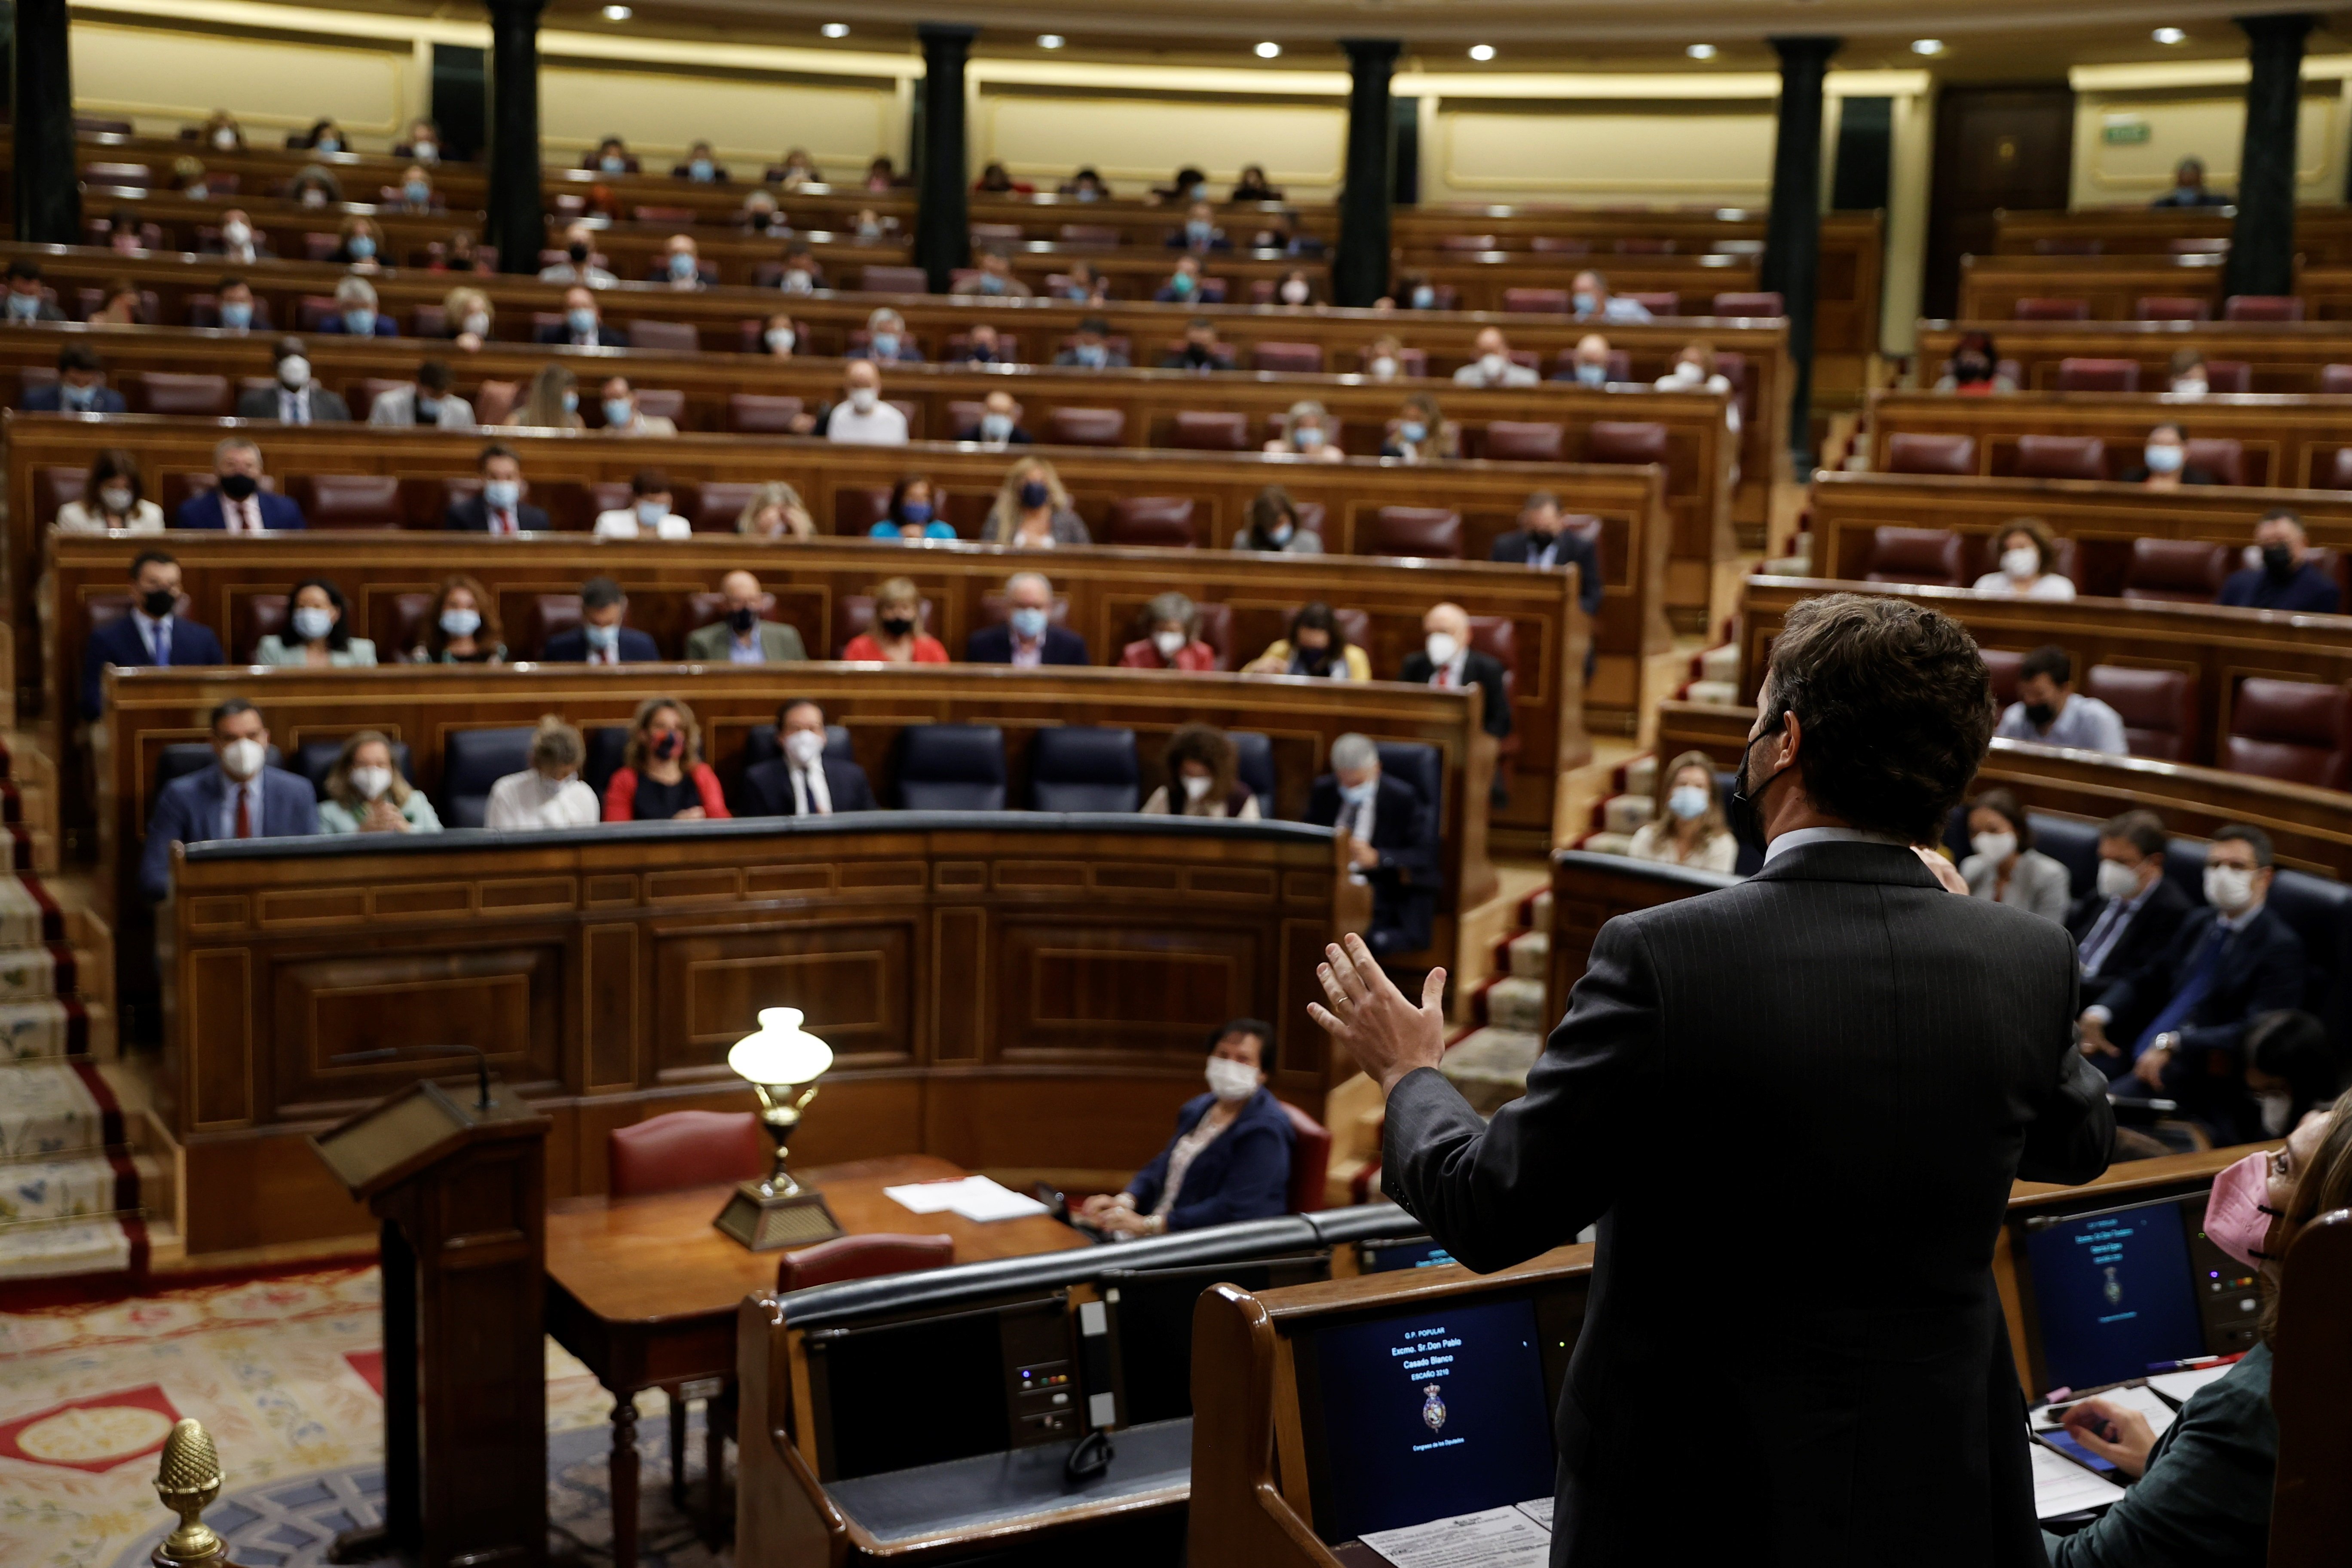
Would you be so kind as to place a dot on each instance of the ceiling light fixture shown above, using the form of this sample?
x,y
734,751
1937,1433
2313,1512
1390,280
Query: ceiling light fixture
x,y
1268,51
835,29
1926,45
1050,40
1701,51
2169,36
617,13
1482,51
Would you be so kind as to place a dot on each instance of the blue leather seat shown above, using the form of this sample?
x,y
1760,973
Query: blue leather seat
x,y
603,749
1254,765
951,767
474,759
1080,767
184,757
314,759
761,745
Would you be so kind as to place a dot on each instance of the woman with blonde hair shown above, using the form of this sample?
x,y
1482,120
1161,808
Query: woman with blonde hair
x,y
662,776
1033,511
1201,765
365,794
1687,827
775,512
1423,434
554,402
896,635
1308,431
549,793
470,315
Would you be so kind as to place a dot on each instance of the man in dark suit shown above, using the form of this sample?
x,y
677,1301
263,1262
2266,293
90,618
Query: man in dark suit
x,y
244,797
27,301
582,326
600,637
1544,539
1028,636
499,506
2179,1026
81,386
1446,658
1396,851
2131,915
237,501
153,634
297,398
2289,577
1846,1054
355,311
805,782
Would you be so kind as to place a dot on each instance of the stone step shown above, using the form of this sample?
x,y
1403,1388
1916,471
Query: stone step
x,y
55,1109
82,1186
1489,1066
1717,693
1625,813
1530,955
1516,1003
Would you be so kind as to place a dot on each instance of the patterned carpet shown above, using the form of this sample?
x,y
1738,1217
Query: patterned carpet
x,y
284,1373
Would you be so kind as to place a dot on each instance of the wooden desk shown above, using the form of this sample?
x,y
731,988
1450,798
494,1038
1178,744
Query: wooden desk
x,y
645,1291
1990,286
2281,356
2323,234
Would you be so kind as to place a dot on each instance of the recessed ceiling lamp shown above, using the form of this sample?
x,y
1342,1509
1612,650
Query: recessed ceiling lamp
x,y
1701,51
1268,51
1926,45
1050,40
2169,36
835,29
1482,51
617,13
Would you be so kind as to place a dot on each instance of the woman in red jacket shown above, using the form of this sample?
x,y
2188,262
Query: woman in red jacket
x,y
662,776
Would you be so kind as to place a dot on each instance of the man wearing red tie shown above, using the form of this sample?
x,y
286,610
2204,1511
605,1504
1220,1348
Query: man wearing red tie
x,y
242,798
1448,661
498,508
237,501
805,781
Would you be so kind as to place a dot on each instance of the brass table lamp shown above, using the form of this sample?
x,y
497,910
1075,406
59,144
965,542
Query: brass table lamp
x,y
783,1062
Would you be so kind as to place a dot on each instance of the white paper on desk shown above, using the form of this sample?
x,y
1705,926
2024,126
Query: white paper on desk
x,y
2180,1385
1538,1509
982,1199
924,1197
1499,1538
2061,1486
2159,1414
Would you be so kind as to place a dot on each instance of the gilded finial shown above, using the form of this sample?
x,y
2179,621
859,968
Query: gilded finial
x,y
188,1480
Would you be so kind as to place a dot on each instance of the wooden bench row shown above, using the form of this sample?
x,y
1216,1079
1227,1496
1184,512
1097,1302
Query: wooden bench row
x,y
2276,356
2322,234
2112,287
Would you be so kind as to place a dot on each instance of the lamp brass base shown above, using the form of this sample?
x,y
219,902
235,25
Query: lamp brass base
x,y
764,1220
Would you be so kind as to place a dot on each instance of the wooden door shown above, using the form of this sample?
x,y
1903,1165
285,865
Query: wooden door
x,y
1995,147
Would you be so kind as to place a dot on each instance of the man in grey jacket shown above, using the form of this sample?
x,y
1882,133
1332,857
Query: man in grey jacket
x,y
1836,1060
428,401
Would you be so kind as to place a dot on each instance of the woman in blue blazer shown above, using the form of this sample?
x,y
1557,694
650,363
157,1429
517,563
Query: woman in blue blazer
x,y
1230,1159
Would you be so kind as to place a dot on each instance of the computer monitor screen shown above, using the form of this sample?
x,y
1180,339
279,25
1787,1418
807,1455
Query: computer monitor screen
x,y
2114,1291
1380,1257
1151,1317
893,1396
1429,1415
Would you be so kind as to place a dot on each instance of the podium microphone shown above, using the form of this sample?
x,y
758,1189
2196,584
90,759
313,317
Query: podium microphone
x,y
387,1053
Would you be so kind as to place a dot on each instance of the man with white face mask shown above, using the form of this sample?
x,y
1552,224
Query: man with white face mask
x,y
1230,1159
1492,366
1392,842
1447,660
2133,909
241,797
805,781
297,398
2179,1026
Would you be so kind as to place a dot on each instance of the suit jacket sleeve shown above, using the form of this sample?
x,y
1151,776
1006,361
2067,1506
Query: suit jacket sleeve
x,y
2072,1134
857,794
789,643
1589,586
1256,1183
305,804
1416,860
2277,983
170,823
1488,670
94,660
1548,1163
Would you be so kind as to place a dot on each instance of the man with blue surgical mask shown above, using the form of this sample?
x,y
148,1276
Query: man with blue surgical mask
x,y
1091,348
1391,842
356,315
1199,231
622,417
601,638
999,425
26,302
887,340
1028,638
1491,363
1590,301
680,266
1587,365
701,166
2164,462
582,326
81,386
498,508
994,279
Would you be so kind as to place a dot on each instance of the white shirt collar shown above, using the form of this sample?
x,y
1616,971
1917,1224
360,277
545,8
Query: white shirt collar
x,y
2243,919
1799,837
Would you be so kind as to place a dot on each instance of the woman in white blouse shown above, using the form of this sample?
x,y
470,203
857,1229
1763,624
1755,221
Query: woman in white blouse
x,y
113,496
2028,552
548,794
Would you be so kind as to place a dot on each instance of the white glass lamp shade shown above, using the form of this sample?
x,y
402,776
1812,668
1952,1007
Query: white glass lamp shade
x,y
781,1052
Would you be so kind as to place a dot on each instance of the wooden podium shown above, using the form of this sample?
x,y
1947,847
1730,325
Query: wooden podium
x,y
459,1187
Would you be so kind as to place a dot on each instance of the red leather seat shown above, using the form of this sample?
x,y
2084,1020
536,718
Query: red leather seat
x,y
1560,245
2069,245
2047,310
1466,242
2335,472
1214,624
1089,233
667,403
2159,708
550,613
2223,457
672,337
719,502
2086,374
175,392
1935,557
1210,430
2336,378
991,233
350,502
1658,301
1625,441
687,1149
1415,532
372,387
2229,375
857,508
761,412
2003,665
52,487
1927,452
662,214
2060,458
1085,426
2261,307
2172,308
1524,441
1536,302
1498,637
862,1257
2177,571
893,280
1162,520
1763,302
1306,359
1310,1159
2290,729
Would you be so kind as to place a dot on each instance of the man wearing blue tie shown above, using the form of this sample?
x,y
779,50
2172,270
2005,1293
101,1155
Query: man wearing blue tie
x,y
154,633
2178,1025
242,798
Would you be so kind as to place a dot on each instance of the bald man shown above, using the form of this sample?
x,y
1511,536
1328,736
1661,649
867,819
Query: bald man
x,y
742,634
1447,659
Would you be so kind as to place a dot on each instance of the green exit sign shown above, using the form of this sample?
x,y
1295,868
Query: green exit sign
x,y
2124,130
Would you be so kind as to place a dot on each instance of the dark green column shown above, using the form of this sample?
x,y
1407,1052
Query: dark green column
x,y
48,186
2262,240
942,202
1360,271
1793,235
514,221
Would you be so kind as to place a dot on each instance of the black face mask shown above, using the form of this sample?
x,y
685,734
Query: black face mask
x,y
2038,714
159,602
578,253
2278,561
1314,660
238,487
897,626
1747,821
1971,369
428,410
742,620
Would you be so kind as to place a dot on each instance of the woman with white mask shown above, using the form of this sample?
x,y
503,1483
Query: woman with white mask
x,y
2028,557
1230,1159
318,631
2005,868
1203,777
365,794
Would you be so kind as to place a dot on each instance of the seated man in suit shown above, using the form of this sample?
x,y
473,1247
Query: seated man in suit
x,y
428,401
237,501
2129,917
297,399
244,797
2289,577
582,326
236,240
1447,659
2179,1024
235,306
1544,539
500,508
999,424
81,385
1028,638
805,782
600,637
1392,842
743,638
154,634
355,312
26,303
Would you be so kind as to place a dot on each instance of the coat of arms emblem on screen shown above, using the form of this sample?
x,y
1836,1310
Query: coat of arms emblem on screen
x,y
1433,1409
